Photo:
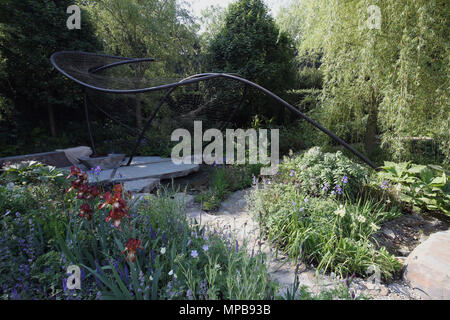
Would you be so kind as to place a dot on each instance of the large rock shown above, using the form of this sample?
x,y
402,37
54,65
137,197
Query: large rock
x,y
428,267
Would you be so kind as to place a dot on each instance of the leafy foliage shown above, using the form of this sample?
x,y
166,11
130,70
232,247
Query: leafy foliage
x,y
425,187
392,80
251,45
30,31
319,173
31,172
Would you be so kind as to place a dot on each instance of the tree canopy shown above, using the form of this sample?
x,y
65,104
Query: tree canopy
x,y
30,31
392,80
251,45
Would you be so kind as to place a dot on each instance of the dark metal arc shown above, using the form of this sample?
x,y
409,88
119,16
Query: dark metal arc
x,y
120,63
202,77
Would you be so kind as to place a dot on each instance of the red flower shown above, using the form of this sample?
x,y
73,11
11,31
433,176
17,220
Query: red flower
x,y
83,192
95,192
118,205
74,172
85,212
118,189
132,246
117,215
108,200
81,179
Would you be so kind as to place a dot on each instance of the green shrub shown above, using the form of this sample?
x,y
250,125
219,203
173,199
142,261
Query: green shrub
x,y
335,237
321,174
427,188
31,172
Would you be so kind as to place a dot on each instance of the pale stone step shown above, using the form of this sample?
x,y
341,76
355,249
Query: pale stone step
x,y
141,185
144,168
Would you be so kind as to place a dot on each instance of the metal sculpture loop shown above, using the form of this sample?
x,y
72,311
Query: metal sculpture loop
x,y
86,69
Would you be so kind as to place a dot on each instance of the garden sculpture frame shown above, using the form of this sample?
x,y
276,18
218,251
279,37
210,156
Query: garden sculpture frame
x,y
92,63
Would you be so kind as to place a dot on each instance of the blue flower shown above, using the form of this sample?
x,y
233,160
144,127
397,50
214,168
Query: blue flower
x,y
384,185
189,294
194,254
292,173
345,179
205,247
96,170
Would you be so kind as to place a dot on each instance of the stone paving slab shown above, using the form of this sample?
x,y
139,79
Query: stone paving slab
x,y
145,160
160,170
141,185
144,168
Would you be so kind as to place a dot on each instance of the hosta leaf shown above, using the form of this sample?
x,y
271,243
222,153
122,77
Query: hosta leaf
x,y
439,181
417,169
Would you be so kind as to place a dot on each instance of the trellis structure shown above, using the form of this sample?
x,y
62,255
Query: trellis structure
x,y
98,73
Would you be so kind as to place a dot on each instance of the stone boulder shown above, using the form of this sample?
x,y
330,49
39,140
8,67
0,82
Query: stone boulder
x,y
428,267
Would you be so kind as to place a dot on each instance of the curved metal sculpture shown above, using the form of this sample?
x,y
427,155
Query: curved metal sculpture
x,y
92,63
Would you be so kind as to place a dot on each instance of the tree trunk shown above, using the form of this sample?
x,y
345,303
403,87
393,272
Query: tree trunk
x,y
371,130
51,118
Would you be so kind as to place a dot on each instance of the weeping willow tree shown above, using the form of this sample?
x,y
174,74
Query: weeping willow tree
x,y
385,66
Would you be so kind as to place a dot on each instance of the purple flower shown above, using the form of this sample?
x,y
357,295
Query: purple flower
x,y
292,173
325,187
194,254
96,170
344,179
204,288
205,247
152,234
338,189
384,185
